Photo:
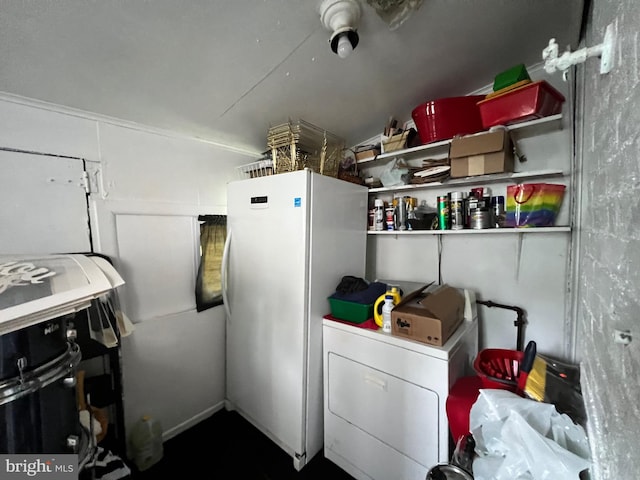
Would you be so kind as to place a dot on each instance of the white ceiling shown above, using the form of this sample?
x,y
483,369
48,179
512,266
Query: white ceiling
x,y
227,70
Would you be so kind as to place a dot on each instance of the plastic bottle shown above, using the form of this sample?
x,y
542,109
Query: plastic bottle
x,y
377,305
146,442
386,313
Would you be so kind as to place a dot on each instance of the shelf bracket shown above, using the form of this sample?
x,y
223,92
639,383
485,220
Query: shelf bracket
x,y
604,50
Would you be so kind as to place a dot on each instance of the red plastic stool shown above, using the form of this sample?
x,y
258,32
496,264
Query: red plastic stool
x,y
461,398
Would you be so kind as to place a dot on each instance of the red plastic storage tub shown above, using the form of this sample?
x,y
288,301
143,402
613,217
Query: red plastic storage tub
x,y
447,117
534,100
461,398
498,368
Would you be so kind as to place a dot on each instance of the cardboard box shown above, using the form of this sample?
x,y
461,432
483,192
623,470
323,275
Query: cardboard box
x,y
481,154
429,315
367,154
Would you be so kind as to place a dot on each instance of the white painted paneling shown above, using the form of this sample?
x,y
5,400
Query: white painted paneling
x,y
157,257
174,369
534,280
195,385
25,126
410,258
167,182
44,206
152,167
490,265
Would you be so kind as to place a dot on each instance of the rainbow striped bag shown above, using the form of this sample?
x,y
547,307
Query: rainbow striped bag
x,y
533,204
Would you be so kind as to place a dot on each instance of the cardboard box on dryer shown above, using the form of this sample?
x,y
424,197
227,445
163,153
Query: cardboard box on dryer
x,y
429,315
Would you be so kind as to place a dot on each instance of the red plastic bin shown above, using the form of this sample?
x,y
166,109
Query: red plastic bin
x,y
445,118
498,368
460,400
534,100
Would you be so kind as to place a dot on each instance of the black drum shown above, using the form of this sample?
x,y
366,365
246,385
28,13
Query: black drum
x,y
39,410
32,346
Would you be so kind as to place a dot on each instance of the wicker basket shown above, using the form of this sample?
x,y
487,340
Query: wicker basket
x,y
295,146
260,168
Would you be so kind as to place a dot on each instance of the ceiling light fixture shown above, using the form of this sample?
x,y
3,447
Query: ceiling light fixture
x,y
341,18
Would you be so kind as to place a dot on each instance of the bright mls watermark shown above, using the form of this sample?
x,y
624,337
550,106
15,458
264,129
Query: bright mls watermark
x,y
40,466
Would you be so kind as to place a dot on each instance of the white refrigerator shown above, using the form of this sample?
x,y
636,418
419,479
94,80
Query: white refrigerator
x,y
291,238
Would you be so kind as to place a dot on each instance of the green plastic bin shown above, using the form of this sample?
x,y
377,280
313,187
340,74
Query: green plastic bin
x,y
351,311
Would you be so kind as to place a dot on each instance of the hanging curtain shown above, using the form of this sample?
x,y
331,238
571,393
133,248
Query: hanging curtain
x,y
213,232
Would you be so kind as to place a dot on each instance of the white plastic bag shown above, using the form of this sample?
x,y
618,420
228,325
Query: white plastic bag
x,y
394,173
519,438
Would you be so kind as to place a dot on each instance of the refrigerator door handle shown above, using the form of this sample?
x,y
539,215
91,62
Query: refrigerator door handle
x,y
224,274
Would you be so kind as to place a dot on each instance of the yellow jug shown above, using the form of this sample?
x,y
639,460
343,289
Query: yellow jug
x,y
377,306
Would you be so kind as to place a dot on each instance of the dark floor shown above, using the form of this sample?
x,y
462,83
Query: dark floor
x,y
227,446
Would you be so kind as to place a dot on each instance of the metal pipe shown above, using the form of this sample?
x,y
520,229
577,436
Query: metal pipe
x,y
519,323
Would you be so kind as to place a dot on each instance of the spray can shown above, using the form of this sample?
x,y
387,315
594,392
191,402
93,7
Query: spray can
x,y
443,212
379,221
457,211
471,204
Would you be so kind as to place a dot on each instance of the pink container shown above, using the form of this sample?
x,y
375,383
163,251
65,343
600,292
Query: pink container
x,y
445,118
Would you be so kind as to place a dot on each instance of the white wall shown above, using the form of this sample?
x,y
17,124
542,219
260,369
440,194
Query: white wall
x,y
149,188
145,217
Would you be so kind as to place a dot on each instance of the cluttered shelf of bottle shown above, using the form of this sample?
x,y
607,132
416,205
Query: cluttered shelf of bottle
x,y
477,211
